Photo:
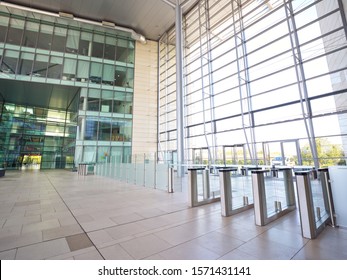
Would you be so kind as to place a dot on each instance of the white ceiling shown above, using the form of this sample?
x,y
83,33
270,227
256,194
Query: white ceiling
x,y
150,18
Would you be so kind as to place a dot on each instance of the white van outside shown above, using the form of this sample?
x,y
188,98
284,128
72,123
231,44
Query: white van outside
x,y
279,161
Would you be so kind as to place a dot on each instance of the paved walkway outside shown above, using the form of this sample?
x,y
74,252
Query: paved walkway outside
x,y
57,214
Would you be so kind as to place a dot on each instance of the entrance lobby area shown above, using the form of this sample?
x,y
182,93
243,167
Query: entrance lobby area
x,y
57,214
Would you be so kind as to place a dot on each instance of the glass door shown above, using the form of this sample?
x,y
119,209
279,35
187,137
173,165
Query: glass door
x,y
284,153
200,156
234,155
272,153
291,153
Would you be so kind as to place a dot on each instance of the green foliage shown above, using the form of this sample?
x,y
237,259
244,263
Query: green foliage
x,y
328,154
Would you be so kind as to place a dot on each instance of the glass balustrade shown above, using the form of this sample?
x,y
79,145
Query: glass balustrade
x,y
143,171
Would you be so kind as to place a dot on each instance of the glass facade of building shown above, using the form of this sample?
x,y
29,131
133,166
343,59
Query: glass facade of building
x,y
263,82
95,61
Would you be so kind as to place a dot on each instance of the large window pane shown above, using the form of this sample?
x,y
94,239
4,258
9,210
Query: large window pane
x,y
55,67
122,50
94,100
72,41
95,73
25,63
107,101
110,48
98,46
3,27
40,65
85,43
45,37
104,129
83,70
69,69
9,62
15,32
91,132
108,74
30,34
59,39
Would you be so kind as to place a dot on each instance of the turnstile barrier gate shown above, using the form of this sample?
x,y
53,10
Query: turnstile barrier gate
x,y
273,196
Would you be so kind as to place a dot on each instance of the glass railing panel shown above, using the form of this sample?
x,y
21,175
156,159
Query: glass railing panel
x,y
112,170
214,185
273,196
108,171
318,202
149,173
132,173
242,193
123,172
140,174
117,171
162,176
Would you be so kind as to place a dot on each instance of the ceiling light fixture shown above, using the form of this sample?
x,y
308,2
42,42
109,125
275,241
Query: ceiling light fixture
x,y
134,35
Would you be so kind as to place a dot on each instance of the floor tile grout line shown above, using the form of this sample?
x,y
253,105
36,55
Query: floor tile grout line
x,y
73,216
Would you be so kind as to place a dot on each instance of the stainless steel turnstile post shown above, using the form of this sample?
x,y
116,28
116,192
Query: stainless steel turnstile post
x,y
225,191
288,185
306,208
206,183
171,181
193,186
327,192
199,192
260,208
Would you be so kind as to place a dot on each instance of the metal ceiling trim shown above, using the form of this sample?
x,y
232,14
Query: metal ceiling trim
x,y
134,35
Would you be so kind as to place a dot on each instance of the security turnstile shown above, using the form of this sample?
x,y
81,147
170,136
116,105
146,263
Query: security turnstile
x,y
273,196
199,192
315,203
233,199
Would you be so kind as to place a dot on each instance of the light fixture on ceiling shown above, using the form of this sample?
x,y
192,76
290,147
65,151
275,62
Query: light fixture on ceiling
x,y
136,36
66,15
108,24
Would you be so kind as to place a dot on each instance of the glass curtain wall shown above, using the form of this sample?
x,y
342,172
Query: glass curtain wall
x,y
259,74
98,61
33,137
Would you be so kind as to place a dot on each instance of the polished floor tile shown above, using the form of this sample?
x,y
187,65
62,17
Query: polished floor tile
x,y
8,255
43,250
267,250
57,214
115,252
217,242
145,246
188,251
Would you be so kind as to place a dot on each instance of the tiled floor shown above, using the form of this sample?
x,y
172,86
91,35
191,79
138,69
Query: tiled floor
x,y
60,215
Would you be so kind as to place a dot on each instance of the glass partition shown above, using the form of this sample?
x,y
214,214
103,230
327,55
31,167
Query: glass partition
x,y
315,202
142,170
273,196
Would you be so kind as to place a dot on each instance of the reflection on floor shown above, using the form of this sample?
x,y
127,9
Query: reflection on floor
x,y
60,215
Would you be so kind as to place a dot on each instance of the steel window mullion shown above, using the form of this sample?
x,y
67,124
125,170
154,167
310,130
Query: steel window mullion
x,y
343,16
272,73
301,80
316,20
268,44
322,36
325,54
